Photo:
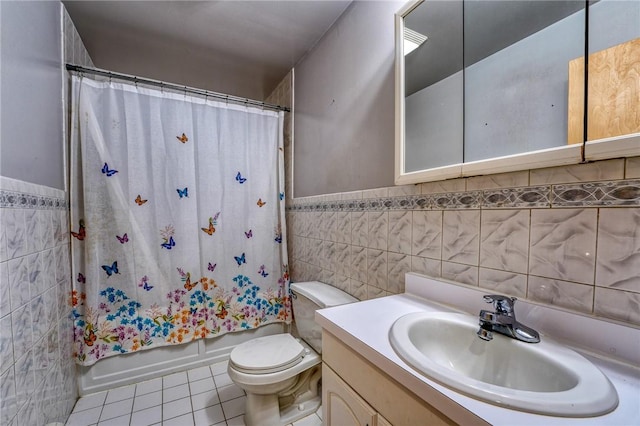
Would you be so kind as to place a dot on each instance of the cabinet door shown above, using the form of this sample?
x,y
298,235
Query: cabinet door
x,y
341,406
381,421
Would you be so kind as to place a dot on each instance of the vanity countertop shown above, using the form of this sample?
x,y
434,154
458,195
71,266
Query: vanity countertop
x,y
364,326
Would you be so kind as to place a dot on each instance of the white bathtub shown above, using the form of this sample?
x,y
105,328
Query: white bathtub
x,y
125,369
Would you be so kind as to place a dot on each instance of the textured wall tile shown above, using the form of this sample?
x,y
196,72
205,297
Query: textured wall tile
x,y
50,299
563,244
377,268
399,265
396,191
359,229
25,378
5,294
8,402
599,170
36,278
378,230
617,304
358,289
22,331
40,361
427,234
400,231
15,230
342,282
64,237
452,185
315,253
63,264
316,226
18,270
578,297
41,229
343,228
359,269
502,282
63,291
297,250
460,236
375,292
425,266
457,272
618,264
504,240
39,326
31,231
57,227
502,180
328,277
4,255
329,225
328,259
633,168
342,259
6,343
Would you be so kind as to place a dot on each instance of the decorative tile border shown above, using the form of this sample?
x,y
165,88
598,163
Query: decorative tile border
x,y
20,200
614,193
609,193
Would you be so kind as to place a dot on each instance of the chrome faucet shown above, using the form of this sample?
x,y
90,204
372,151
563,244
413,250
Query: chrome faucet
x,y
503,321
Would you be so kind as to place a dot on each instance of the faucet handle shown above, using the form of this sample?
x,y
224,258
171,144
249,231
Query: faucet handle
x,y
502,304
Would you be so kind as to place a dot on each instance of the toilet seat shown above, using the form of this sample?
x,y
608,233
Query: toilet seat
x,y
269,354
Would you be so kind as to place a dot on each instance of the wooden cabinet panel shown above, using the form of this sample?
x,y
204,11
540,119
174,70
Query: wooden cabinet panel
x,y
341,406
613,97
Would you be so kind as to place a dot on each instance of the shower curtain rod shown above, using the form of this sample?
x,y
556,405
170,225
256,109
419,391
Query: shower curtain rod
x,y
177,87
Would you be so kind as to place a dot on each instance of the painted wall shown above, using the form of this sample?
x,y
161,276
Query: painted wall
x,y
32,147
344,104
38,378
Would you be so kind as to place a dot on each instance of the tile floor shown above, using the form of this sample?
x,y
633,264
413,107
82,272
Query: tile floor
x,y
202,396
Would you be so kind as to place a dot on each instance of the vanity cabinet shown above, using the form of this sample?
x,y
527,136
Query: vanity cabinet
x,y
356,392
341,405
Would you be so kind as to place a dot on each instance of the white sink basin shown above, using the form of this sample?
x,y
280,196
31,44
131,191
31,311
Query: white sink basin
x,y
545,378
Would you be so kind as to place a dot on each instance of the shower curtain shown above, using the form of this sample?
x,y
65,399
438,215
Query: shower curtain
x,y
177,210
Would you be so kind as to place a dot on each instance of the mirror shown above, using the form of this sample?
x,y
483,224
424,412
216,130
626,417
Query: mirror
x,y
497,86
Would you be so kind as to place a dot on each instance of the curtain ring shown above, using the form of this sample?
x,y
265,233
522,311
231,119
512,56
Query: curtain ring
x,y
110,75
162,87
185,93
135,81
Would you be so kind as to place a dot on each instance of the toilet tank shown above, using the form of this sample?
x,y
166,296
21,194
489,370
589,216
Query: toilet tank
x,y
309,296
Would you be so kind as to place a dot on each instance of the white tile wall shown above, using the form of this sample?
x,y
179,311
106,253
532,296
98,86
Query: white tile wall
x,y
584,258
37,372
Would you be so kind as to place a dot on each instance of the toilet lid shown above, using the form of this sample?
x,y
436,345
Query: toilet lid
x,y
267,354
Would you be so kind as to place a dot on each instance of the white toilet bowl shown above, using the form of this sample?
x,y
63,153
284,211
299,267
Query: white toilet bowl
x,y
280,373
277,373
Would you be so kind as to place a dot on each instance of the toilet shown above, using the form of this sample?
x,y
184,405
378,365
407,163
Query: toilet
x,y
281,373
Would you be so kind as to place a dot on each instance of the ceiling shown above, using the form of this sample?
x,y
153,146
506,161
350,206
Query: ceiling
x,y
242,48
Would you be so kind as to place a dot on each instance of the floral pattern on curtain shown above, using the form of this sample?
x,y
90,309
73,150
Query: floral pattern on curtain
x,y
177,210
